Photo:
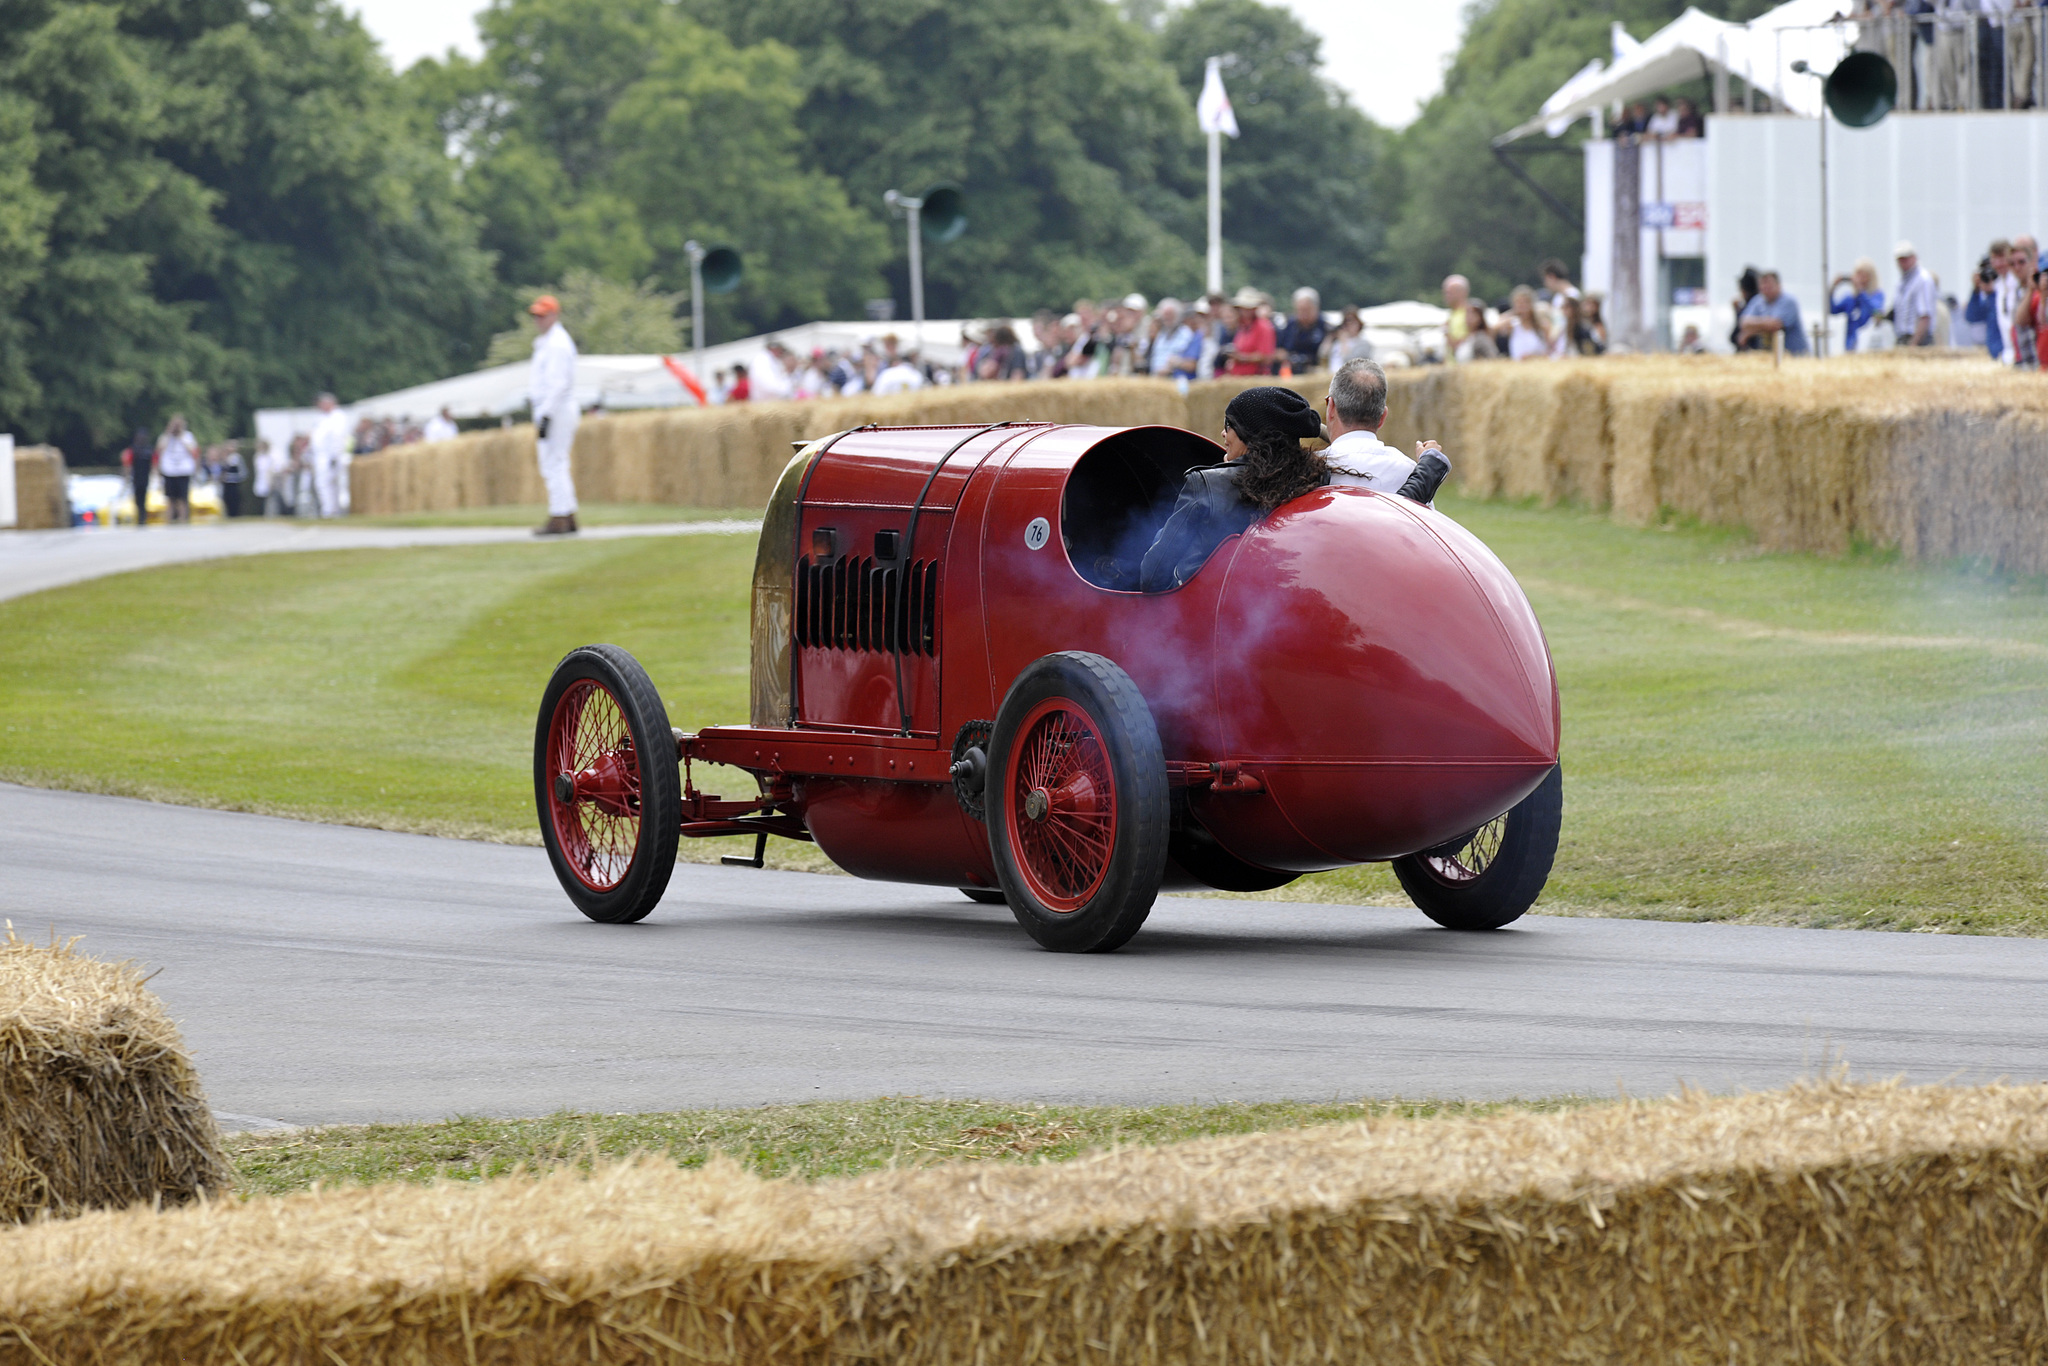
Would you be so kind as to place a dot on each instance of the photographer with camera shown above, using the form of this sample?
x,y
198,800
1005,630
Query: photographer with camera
x,y
1982,310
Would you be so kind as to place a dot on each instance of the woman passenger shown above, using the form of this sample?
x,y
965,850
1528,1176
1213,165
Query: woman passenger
x,y
1265,466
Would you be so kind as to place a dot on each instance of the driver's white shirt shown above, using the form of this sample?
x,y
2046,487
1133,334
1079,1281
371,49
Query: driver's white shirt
x,y
1360,460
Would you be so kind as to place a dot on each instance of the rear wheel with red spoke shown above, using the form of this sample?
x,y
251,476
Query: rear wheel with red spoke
x,y
606,782
1488,878
1077,803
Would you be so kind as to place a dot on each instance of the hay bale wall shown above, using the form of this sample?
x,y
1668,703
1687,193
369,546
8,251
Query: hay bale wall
x,y
40,498
1941,458
99,1106
1825,1224
719,457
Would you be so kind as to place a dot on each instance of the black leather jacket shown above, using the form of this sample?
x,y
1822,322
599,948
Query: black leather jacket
x,y
1210,512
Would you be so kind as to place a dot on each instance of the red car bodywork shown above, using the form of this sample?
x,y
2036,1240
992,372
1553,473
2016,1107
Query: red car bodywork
x,y
1355,678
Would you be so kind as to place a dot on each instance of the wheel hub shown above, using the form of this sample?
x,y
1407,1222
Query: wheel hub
x,y
1037,804
565,788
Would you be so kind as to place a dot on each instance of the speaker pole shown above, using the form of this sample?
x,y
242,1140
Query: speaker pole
x,y
1827,283
912,207
696,255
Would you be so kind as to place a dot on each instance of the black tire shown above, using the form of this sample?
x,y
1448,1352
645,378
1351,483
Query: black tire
x,y
614,864
1080,862
1445,886
985,896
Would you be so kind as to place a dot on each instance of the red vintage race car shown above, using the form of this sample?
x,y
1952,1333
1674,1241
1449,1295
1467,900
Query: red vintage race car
x,y
953,683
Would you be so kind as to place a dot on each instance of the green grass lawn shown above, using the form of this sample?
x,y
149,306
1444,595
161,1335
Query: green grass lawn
x,y
533,514
828,1138
1773,738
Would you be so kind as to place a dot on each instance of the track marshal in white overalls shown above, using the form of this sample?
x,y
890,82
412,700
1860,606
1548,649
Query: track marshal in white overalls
x,y
552,386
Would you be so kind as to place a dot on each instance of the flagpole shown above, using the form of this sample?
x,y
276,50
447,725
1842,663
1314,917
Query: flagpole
x,y
1215,211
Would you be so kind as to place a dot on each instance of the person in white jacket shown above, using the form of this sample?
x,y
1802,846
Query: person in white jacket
x,y
327,448
552,386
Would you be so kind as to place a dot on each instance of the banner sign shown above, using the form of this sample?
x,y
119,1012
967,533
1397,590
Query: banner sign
x,y
1685,216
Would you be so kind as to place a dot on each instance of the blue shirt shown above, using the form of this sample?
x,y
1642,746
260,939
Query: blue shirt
x,y
1983,309
1861,308
1786,311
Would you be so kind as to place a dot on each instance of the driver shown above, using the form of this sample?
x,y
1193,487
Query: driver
x,y
1265,466
1357,409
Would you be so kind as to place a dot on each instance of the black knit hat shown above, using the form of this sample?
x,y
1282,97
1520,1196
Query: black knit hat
x,y
1270,408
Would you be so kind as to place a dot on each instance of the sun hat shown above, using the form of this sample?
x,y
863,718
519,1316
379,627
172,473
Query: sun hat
x,y
1135,300
1248,298
1270,408
1904,248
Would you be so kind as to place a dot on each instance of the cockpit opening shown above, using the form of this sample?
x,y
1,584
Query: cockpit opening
x,y
1120,493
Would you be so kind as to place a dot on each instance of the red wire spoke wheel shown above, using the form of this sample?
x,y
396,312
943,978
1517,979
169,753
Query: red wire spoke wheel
x,y
1488,878
607,784
1062,805
1077,803
594,800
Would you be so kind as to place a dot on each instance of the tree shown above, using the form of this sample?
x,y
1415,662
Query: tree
x,y
605,318
602,135
1461,211
1067,131
1305,189
213,205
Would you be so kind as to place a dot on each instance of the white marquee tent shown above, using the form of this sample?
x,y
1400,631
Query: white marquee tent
x,y
1760,53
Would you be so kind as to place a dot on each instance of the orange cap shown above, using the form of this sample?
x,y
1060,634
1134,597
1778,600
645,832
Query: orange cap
x,y
546,303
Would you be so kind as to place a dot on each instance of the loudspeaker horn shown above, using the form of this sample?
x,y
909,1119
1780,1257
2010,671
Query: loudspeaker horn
x,y
1862,90
944,214
721,270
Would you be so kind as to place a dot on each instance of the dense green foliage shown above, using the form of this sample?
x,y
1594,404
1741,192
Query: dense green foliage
x,y
604,134
211,205
207,204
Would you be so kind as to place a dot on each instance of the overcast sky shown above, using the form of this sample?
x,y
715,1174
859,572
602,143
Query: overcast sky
x,y
1388,53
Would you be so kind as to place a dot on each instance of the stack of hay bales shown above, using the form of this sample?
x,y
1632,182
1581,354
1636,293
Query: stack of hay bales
x,y
722,457
1830,1223
41,498
99,1106
1940,458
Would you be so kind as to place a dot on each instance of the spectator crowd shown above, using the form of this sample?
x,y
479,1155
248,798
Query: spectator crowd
x,y
1208,337
2006,313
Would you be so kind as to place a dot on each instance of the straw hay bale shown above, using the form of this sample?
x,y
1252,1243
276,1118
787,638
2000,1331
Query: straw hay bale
x,y
1941,458
40,499
99,1105
1828,1223
727,456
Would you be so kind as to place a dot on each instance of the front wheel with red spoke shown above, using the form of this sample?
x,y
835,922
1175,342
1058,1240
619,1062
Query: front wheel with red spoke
x,y
1486,879
607,783
1077,803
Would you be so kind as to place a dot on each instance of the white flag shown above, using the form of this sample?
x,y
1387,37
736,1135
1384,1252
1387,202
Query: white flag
x,y
1212,110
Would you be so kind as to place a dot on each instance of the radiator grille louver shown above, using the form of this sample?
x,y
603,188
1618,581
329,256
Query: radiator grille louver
x,y
855,603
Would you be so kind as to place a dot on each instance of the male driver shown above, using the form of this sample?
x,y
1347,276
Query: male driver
x,y
1354,413
1913,305
1772,310
551,383
328,448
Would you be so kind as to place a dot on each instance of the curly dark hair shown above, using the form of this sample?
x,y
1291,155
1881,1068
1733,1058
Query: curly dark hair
x,y
1278,468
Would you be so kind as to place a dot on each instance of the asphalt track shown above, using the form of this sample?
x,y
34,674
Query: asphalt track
x,y
324,974
31,561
